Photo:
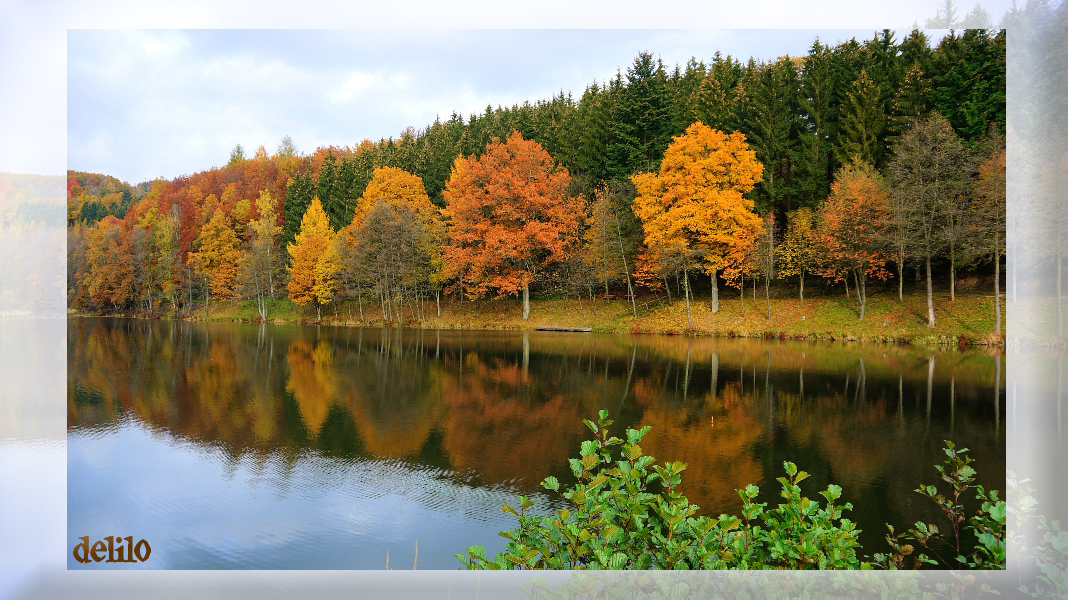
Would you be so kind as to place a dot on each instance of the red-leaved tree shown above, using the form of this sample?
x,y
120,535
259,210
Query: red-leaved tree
x,y
851,224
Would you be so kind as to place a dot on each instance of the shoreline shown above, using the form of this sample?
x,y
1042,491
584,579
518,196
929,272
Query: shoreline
x,y
888,320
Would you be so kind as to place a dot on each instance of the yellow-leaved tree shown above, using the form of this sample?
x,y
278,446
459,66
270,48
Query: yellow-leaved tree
x,y
693,211
217,256
394,244
799,251
262,261
316,260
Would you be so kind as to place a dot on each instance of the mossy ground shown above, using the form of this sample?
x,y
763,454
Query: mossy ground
x,y
968,319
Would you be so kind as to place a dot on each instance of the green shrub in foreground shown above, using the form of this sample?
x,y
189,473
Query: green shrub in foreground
x,y
629,514
620,522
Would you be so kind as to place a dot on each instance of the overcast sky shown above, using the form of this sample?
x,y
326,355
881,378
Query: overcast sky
x,y
148,103
144,102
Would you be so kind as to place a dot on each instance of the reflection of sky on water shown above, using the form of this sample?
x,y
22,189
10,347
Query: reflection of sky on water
x,y
321,447
200,510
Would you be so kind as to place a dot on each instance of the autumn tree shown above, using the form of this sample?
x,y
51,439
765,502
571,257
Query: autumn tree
x,y
511,219
987,224
763,255
606,246
799,251
262,262
316,260
160,258
693,211
850,227
217,256
394,242
110,274
930,169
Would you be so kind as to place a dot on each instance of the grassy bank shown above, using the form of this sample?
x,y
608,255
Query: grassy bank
x,y
969,319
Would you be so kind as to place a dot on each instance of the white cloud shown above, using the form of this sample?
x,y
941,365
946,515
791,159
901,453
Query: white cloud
x,y
355,86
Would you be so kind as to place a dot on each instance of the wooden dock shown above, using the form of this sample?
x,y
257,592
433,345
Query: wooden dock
x,y
579,329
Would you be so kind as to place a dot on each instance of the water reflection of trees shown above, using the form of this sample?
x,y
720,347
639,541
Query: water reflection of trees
x,y
506,407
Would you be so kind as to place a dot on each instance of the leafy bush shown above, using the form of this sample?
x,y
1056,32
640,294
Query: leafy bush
x,y
628,514
987,524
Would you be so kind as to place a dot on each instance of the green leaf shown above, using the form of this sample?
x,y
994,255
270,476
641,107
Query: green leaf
x,y
589,461
509,509
551,483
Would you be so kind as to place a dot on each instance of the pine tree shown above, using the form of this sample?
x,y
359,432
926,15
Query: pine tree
x,y
299,193
863,123
642,121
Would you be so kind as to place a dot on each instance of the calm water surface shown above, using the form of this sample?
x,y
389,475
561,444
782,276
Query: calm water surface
x,y
243,446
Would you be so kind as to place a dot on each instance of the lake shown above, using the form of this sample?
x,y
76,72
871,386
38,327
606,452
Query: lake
x,y
237,446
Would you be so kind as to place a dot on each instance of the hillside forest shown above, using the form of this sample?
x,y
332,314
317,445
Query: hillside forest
x,y
858,162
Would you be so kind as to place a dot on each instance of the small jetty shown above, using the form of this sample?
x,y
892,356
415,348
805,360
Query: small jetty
x,y
579,329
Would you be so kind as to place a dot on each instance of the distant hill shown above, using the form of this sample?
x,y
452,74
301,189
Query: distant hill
x,y
32,246
93,196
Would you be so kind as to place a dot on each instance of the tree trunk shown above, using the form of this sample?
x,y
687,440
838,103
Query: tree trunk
x,y
667,288
860,291
847,285
686,280
437,300
802,286
526,301
270,272
715,292
741,295
767,293
930,296
626,270
997,287
900,275
952,272
359,296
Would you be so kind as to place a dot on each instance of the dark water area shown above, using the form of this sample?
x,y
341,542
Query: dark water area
x,y
300,447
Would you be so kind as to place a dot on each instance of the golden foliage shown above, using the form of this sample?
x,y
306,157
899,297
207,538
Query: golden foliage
x,y
316,259
218,256
693,211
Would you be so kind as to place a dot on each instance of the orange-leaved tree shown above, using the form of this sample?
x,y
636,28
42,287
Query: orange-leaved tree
x,y
316,260
693,211
510,218
851,227
217,256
